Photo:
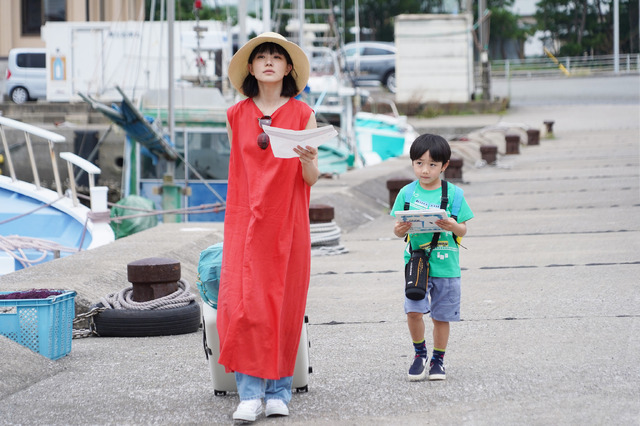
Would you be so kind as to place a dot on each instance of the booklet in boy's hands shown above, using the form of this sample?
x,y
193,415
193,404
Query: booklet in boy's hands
x,y
422,221
284,140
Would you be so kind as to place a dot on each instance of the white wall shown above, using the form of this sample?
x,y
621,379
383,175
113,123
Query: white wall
x,y
97,56
434,59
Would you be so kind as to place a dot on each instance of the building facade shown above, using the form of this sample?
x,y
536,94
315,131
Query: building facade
x,y
21,20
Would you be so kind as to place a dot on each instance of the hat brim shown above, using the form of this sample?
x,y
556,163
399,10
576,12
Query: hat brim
x,y
238,69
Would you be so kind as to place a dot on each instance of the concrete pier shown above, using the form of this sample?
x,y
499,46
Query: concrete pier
x,y
550,301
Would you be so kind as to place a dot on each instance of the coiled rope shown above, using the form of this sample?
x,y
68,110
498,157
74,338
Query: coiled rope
x,y
15,246
123,299
325,239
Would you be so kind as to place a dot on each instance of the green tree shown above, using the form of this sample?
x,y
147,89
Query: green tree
x,y
505,27
629,27
379,15
185,11
586,26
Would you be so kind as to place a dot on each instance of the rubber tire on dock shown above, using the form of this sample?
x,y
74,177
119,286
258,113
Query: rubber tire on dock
x,y
135,323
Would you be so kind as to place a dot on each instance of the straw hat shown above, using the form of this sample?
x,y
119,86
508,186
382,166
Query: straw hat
x,y
238,69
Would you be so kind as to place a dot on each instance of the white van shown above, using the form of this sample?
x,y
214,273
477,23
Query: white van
x,y
26,75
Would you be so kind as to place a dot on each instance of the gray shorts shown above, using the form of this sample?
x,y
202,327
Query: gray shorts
x,y
442,300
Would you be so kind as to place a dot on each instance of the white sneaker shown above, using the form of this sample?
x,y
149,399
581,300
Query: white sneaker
x,y
276,407
248,410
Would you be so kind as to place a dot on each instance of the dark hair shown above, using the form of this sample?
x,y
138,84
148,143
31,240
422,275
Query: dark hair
x,y
437,146
250,84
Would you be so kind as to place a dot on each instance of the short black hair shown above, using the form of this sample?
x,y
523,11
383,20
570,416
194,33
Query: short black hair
x,y
438,148
250,84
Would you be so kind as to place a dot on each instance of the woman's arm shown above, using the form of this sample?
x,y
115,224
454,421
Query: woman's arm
x,y
309,157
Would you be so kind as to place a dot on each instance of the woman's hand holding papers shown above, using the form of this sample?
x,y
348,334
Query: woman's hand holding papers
x,y
307,155
309,160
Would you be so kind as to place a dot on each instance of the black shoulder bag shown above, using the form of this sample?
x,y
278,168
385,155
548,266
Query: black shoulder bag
x,y
416,271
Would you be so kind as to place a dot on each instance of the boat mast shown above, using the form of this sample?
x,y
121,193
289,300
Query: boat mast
x,y
171,15
266,15
170,191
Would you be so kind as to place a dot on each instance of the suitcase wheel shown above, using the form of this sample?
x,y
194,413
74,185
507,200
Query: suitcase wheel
x,y
219,392
303,389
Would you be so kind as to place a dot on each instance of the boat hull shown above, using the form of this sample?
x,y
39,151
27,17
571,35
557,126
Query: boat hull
x,y
34,218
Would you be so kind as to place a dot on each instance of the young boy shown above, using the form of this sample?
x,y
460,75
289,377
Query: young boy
x,y
430,156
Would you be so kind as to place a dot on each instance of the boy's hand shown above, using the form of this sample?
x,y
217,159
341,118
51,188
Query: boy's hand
x,y
401,228
450,224
446,224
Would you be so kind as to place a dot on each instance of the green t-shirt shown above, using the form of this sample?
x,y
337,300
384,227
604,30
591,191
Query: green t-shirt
x,y
445,260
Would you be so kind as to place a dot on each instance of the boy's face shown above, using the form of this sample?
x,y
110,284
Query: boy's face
x,y
428,171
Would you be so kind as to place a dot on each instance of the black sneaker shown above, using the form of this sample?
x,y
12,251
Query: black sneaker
x,y
436,370
418,370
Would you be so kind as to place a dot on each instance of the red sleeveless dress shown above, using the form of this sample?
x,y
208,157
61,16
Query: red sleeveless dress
x,y
267,248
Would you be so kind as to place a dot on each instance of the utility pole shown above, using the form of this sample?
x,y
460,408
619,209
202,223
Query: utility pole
x,y
242,22
484,50
616,37
301,15
170,191
171,16
266,15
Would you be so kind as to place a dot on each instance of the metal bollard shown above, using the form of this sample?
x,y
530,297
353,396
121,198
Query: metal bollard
x,y
153,277
513,143
533,137
489,153
394,185
453,173
321,213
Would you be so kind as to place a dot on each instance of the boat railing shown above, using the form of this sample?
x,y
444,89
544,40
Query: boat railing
x,y
52,138
377,106
91,170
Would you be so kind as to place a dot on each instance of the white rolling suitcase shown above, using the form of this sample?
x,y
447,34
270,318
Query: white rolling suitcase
x,y
226,382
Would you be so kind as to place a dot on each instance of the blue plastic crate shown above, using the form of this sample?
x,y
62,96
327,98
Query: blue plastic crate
x,y
42,325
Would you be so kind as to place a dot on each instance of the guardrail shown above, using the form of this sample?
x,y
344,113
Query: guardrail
x,y
577,66
52,138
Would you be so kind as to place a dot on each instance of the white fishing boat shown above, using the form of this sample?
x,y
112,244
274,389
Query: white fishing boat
x,y
382,135
38,224
366,137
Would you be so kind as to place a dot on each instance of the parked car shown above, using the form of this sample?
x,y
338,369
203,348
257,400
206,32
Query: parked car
x,y
376,62
26,77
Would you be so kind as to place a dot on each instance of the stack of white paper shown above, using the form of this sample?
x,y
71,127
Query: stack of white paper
x,y
422,221
284,140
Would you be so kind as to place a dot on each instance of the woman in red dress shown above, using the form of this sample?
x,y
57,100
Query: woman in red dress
x,y
267,246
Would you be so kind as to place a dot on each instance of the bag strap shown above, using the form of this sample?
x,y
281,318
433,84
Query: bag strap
x,y
444,201
408,193
457,202
455,207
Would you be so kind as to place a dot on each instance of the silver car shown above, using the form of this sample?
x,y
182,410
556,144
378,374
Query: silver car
x,y
26,77
371,61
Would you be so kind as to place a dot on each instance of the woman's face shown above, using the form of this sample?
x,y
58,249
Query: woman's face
x,y
269,67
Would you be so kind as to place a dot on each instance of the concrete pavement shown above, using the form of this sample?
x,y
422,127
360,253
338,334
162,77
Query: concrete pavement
x,y
551,301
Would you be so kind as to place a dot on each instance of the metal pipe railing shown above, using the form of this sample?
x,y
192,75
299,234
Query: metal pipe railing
x,y
575,65
91,170
29,130
71,158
